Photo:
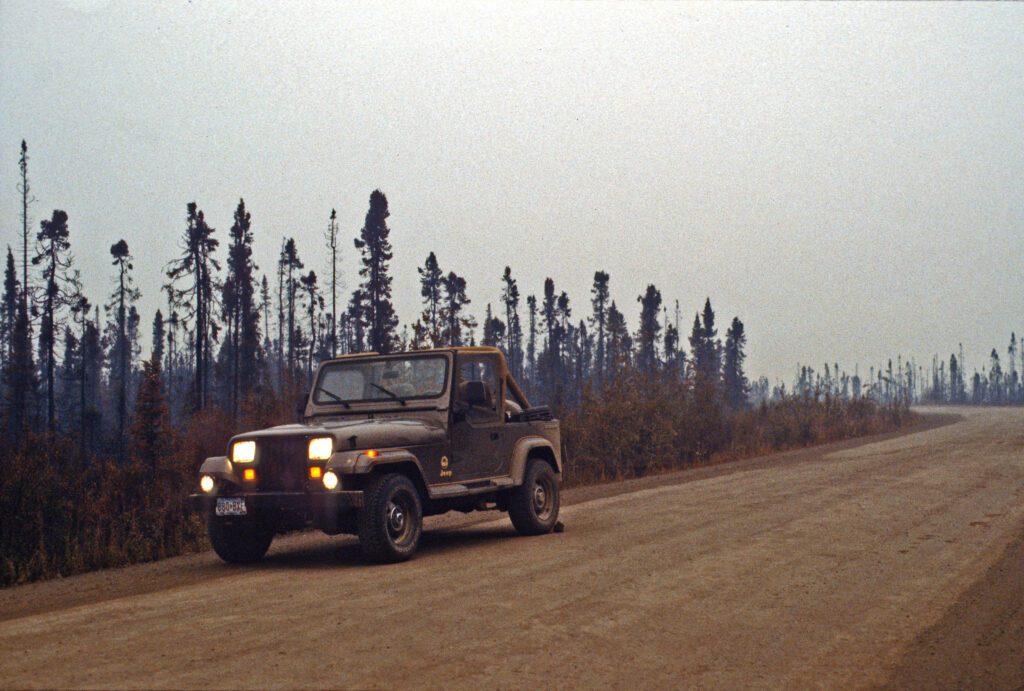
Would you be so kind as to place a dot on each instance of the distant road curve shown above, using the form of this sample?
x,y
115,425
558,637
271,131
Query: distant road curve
x,y
891,562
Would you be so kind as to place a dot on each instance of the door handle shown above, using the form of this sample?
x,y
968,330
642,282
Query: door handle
x,y
494,436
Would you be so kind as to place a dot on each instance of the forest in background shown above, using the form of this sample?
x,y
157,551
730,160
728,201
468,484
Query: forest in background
x,y
101,441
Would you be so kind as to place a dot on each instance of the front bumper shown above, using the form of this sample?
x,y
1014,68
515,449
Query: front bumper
x,y
309,503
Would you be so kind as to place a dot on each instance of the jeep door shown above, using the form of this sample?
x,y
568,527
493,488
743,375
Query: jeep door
x,y
478,424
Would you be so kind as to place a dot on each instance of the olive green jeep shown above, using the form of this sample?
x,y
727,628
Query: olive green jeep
x,y
384,441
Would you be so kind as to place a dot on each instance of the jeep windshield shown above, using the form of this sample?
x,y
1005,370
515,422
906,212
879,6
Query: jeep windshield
x,y
399,378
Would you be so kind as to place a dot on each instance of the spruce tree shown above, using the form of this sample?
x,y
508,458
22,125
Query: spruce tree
x,y
158,337
455,301
240,311
20,371
356,321
375,248
195,267
332,245
9,307
705,346
549,311
120,303
650,329
26,200
290,264
733,377
599,300
431,289
620,345
513,331
53,246
150,432
494,329
531,341
313,302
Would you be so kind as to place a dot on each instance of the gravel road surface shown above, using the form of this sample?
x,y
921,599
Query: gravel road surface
x,y
892,561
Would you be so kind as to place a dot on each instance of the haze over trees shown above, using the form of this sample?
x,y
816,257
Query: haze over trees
x,y
101,440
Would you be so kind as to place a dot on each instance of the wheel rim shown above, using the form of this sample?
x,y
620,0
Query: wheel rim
x,y
543,497
399,519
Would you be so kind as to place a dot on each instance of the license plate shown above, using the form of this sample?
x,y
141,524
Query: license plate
x,y
230,506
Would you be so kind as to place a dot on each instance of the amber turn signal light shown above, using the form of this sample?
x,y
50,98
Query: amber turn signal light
x,y
249,473
371,453
315,472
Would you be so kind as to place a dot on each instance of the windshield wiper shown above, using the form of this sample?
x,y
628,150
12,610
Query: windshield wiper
x,y
389,392
335,396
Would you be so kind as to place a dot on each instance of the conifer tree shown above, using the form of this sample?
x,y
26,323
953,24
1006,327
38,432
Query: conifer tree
x,y
673,355
549,311
357,321
650,329
241,315
120,303
953,370
494,329
531,341
26,200
599,321
620,345
455,301
332,245
196,266
431,289
158,337
265,311
733,377
995,378
1011,359
513,330
375,247
313,302
150,432
20,371
53,247
705,346
281,268
290,264
8,310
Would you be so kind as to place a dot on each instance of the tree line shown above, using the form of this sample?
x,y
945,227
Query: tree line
x,y
101,441
906,381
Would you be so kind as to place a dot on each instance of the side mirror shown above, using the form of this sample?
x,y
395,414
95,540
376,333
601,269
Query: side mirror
x,y
300,405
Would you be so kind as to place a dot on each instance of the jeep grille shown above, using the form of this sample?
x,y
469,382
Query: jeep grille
x,y
283,464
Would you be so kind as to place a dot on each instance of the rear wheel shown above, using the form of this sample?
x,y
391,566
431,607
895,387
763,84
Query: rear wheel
x,y
533,505
391,520
239,540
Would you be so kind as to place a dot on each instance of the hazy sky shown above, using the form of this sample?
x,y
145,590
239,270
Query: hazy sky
x,y
848,179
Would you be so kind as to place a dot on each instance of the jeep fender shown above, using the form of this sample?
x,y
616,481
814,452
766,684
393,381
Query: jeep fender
x,y
220,468
359,463
533,446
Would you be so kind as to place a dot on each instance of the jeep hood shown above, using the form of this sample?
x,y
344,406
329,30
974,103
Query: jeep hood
x,y
359,434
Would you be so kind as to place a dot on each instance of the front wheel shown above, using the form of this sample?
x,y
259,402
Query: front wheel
x,y
391,520
533,505
239,540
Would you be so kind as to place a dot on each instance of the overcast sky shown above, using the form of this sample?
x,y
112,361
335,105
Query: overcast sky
x,y
847,179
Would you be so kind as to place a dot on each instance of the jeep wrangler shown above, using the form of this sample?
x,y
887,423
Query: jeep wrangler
x,y
384,441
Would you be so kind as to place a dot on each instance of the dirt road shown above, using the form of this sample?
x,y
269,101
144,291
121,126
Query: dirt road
x,y
894,562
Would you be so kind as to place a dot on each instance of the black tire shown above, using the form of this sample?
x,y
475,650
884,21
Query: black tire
x,y
533,505
239,540
391,520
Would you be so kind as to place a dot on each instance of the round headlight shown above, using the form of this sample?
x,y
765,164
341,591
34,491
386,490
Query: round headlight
x,y
330,480
207,484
